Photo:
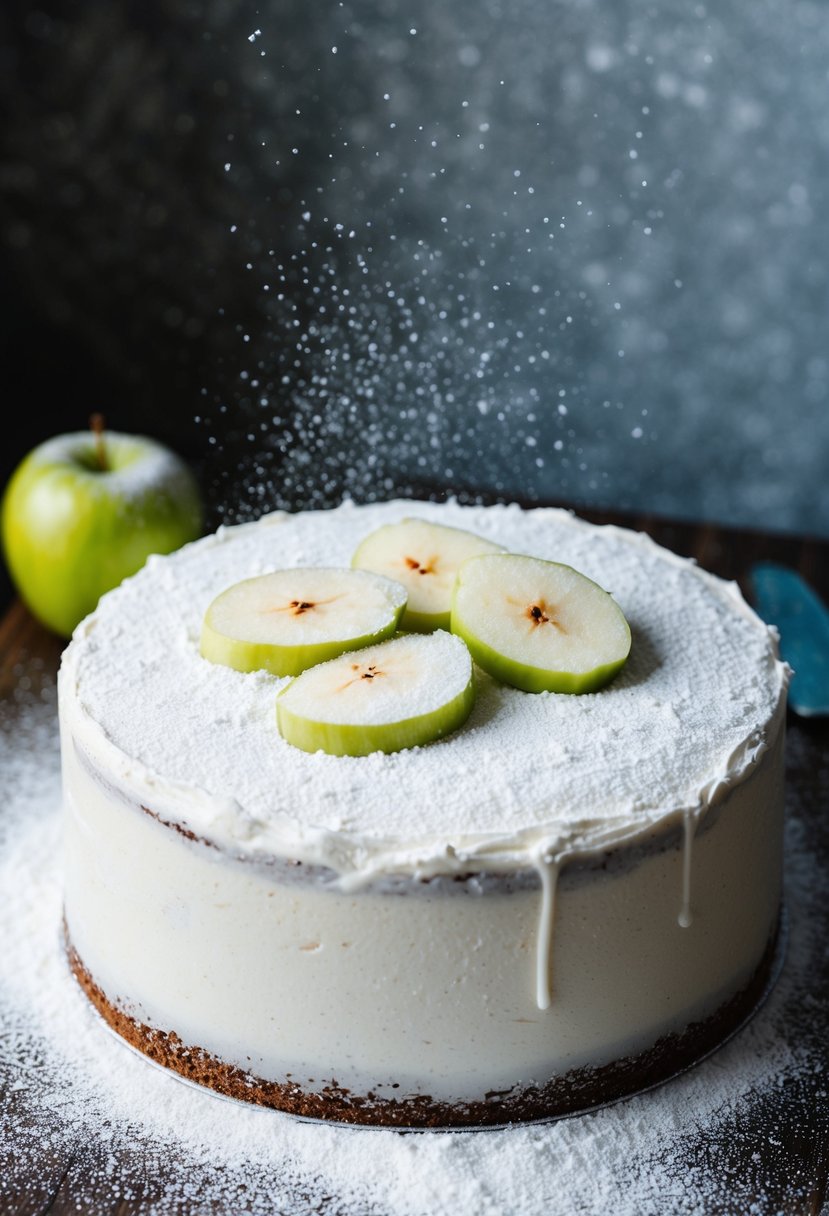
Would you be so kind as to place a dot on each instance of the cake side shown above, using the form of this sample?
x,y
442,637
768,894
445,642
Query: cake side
x,y
431,989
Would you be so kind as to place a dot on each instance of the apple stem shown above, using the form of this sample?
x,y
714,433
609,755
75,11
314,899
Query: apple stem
x,y
96,425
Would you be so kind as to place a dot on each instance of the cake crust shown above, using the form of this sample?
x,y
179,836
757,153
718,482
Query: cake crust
x,y
575,1091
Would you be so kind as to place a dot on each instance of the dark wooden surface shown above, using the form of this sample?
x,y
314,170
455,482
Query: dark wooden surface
x,y
789,1137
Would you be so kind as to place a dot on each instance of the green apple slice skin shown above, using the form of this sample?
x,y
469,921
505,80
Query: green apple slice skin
x,y
371,605
342,738
535,679
279,661
425,558
504,662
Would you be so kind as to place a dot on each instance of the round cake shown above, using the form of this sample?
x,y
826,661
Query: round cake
x,y
565,900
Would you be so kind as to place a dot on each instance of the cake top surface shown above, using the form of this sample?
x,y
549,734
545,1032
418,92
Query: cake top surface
x,y
530,775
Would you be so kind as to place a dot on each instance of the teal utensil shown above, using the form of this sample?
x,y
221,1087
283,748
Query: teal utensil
x,y
783,599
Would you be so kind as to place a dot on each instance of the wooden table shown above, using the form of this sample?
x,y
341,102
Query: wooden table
x,y
788,1137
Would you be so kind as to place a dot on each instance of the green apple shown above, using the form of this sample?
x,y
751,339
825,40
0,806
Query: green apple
x,y
83,511
539,625
406,692
292,619
425,558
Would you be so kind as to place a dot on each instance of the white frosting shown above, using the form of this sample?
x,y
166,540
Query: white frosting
x,y
530,779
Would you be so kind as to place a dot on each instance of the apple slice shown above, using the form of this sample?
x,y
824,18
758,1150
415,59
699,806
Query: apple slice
x,y
425,558
539,625
291,619
403,693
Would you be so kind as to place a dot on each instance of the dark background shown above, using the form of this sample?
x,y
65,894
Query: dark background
x,y
564,252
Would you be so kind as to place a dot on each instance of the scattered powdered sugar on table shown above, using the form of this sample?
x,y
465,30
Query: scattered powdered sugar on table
x,y
75,1094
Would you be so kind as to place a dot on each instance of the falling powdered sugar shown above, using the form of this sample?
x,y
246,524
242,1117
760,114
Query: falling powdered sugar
x,y
83,1112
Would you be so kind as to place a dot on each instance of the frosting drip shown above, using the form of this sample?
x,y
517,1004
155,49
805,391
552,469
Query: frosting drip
x,y
689,826
548,869
530,775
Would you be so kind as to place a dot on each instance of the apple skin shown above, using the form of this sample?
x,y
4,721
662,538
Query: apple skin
x,y
342,739
72,531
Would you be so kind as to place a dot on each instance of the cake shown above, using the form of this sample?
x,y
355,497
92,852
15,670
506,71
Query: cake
x,y
568,899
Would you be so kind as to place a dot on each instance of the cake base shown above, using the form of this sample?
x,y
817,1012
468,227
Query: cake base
x,y
574,1092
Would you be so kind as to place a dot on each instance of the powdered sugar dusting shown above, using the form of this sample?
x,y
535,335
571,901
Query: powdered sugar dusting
x,y
689,711
699,1145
